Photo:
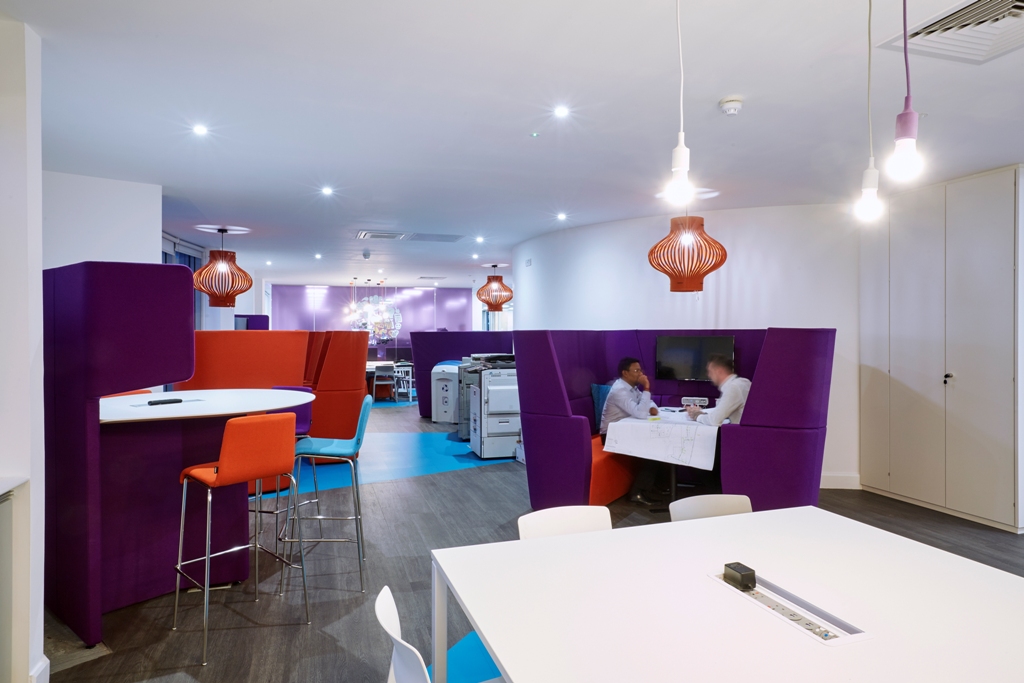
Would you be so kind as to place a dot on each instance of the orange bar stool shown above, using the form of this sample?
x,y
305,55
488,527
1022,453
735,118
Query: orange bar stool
x,y
253,448
341,451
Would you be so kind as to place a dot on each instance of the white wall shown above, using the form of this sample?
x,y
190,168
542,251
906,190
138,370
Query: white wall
x,y
21,341
788,266
96,219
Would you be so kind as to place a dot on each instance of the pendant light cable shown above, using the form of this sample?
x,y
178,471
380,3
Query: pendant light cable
x,y
871,138
906,49
679,39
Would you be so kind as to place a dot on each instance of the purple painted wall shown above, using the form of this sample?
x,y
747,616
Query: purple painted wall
x,y
293,308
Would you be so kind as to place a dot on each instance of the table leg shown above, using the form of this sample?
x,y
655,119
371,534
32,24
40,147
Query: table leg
x,y
439,615
672,490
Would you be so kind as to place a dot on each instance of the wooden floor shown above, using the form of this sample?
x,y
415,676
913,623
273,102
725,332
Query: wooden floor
x,y
404,519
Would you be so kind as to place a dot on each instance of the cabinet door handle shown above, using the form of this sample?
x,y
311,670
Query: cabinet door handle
x,y
945,378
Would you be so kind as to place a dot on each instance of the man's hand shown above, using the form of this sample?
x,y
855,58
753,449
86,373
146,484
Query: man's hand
x,y
693,411
654,410
645,384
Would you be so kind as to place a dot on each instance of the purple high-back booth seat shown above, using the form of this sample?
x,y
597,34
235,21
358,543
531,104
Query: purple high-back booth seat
x,y
303,413
430,348
108,328
774,456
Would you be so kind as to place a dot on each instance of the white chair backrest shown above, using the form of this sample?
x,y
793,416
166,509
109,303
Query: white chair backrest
x,y
571,519
406,663
384,371
697,507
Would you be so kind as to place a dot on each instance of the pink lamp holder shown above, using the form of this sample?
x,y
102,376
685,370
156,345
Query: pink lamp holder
x,y
906,122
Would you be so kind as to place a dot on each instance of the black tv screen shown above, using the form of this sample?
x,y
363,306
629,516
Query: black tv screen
x,y
687,357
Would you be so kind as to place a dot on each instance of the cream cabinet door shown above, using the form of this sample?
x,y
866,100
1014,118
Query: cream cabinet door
x,y
980,327
917,409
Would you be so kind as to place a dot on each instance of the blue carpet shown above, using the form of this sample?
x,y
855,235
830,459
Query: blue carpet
x,y
468,661
386,456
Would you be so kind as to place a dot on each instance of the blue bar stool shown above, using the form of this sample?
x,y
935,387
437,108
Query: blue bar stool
x,y
342,451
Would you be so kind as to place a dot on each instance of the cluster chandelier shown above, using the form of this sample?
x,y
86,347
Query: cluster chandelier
x,y
222,279
495,293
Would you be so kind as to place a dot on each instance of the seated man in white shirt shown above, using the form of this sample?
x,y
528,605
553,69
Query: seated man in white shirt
x,y
630,396
733,394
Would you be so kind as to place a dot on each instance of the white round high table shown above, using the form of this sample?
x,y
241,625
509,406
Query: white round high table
x,y
203,403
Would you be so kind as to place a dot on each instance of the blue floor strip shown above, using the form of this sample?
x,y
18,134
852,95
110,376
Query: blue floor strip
x,y
468,662
387,456
388,403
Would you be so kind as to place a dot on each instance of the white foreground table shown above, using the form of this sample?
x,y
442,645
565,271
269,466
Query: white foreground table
x,y
205,403
638,604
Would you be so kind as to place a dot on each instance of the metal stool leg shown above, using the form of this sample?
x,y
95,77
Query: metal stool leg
x,y
206,582
256,545
302,553
359,533
316,492
359,510
181,541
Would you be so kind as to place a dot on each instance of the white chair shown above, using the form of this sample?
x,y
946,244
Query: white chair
x,y
570,519
698,507
384,375
406,662
403,380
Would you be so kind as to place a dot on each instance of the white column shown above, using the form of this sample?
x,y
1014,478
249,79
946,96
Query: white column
x,y
21,344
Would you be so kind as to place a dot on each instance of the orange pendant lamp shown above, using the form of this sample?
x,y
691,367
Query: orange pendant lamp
x,y
495,293
687,254
222,279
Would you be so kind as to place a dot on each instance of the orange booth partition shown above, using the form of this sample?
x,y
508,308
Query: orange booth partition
x,y
248,359
340,385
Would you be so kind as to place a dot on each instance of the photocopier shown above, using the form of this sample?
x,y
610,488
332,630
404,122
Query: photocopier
x,y
492,397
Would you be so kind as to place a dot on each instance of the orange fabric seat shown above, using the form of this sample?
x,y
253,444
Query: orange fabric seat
x,y
205,474
254,447
611,474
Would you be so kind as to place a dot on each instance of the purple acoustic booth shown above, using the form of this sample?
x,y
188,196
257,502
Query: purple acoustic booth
x,y
252,322
775,464
430,348
112,492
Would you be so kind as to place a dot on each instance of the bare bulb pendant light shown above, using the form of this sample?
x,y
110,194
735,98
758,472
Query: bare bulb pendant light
x,y
869,207
222,279
679,191
905,163
495,293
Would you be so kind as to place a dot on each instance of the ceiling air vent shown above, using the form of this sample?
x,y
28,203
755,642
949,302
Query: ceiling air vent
x,y
430,237
975,33
432,277
378,235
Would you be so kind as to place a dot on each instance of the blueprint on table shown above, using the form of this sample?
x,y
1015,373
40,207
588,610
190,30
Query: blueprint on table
x,y
680,442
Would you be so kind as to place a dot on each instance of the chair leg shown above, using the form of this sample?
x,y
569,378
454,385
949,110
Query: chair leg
x,y
302,553
181,541
206,580
316,492
359,532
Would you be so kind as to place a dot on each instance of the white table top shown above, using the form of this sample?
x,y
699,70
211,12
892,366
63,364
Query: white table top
x,y
638,604
205,403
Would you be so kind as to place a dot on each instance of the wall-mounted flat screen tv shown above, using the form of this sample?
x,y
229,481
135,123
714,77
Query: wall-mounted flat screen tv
x,y
686,358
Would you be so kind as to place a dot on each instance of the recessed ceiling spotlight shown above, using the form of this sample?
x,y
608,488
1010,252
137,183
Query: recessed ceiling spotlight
x,y
476,255
268,263
561,111
534,135
479,240
435,284
318,256
327,191
199,129
380,270
562,216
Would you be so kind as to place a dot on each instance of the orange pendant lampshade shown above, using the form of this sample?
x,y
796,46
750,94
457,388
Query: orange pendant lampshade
x,y
687,254
495,293
221,279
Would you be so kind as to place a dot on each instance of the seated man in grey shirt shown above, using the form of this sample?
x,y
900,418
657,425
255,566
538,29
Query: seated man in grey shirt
x,y
630,396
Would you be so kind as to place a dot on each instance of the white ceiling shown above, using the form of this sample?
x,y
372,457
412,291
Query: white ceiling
x,y
419,114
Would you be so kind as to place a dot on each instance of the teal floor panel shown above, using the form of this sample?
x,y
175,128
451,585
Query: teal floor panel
x,y
468,662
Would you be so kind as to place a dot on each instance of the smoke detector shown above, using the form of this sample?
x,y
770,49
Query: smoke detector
x,y
731,106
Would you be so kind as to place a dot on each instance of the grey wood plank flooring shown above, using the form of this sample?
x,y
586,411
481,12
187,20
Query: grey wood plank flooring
x,y
404,519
